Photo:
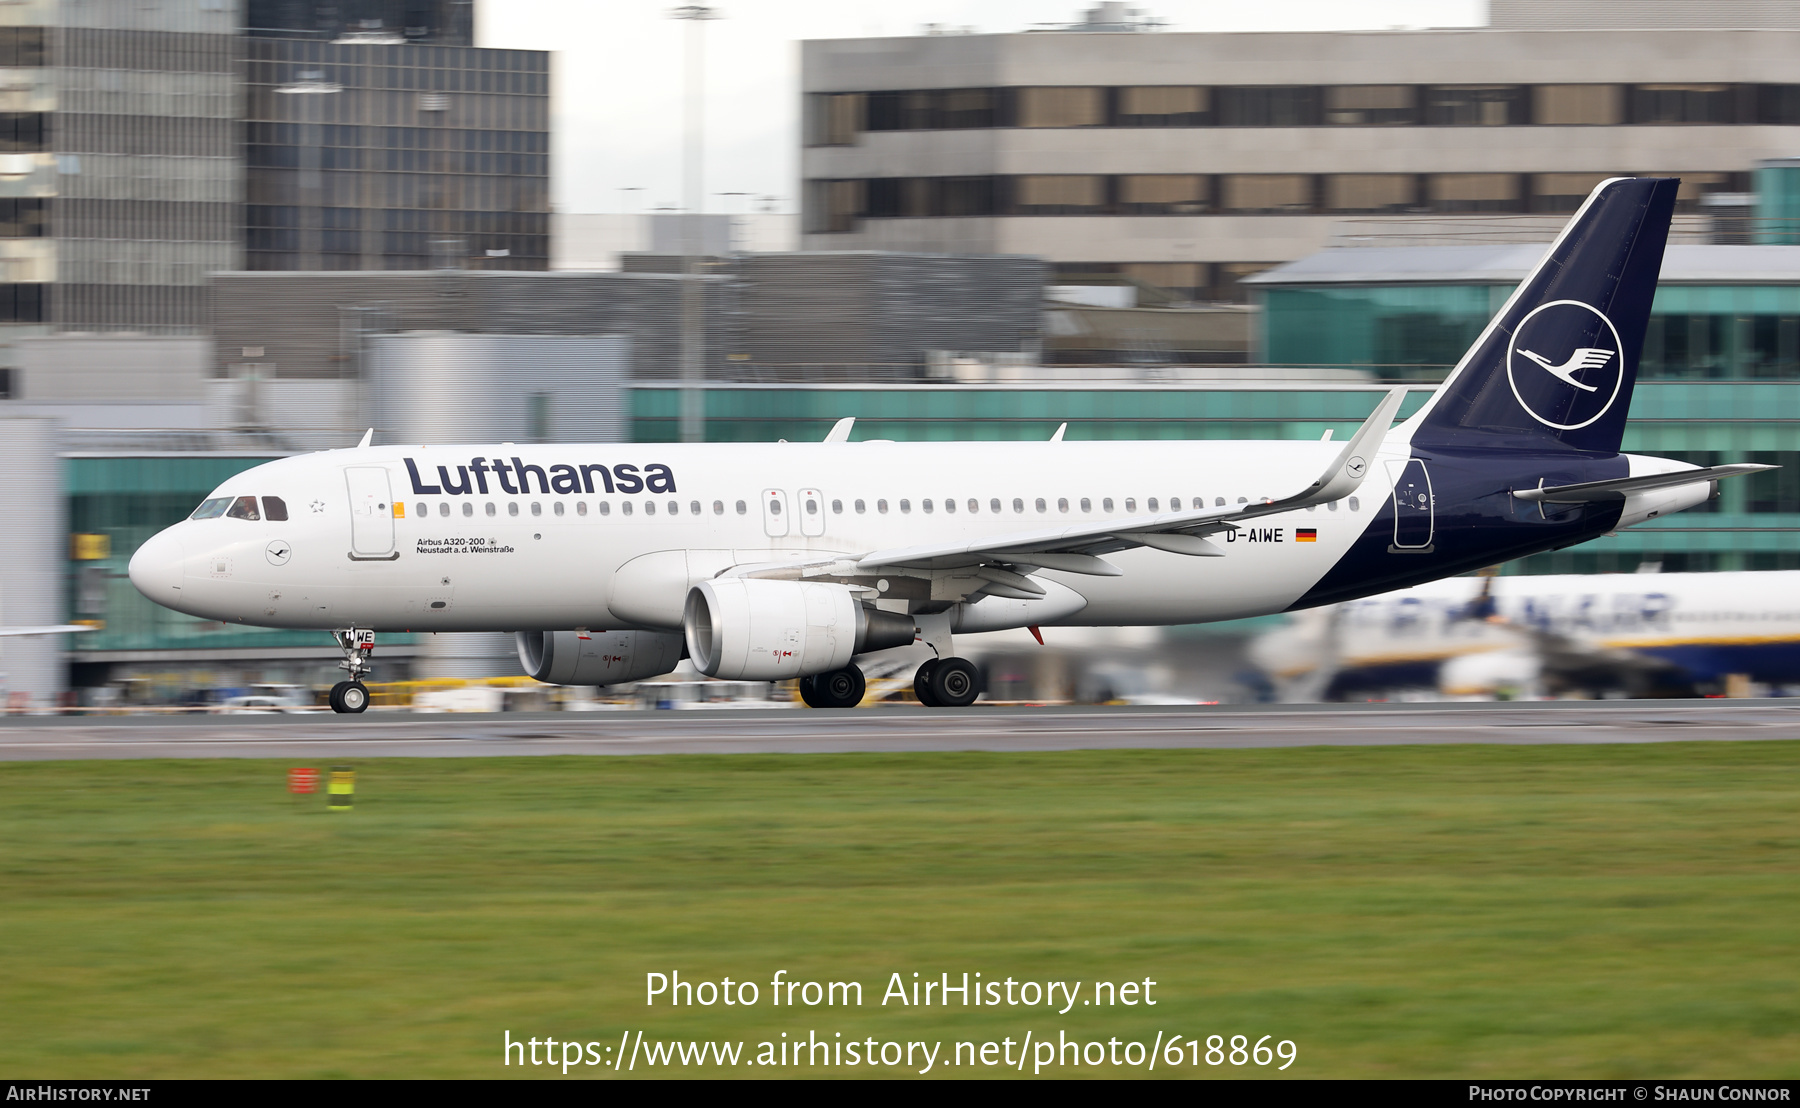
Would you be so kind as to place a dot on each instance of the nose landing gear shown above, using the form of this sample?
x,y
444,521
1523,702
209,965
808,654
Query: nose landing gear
x,y
352,696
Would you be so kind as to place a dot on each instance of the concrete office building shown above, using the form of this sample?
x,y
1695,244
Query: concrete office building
x,y
1190,161
119,167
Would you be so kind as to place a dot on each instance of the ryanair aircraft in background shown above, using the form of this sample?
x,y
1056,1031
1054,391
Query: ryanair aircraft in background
x,y
788,560
1671,634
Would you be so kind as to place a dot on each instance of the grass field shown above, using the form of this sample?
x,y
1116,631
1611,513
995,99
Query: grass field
x,y
1405,911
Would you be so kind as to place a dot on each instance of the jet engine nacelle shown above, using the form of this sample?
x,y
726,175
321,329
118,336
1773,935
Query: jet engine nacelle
x,y
754,629
603,658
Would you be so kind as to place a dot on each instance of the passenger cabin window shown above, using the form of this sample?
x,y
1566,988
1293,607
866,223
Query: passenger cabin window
x,y
906,506
649,507
1131,503
606,507
512,507
624,507
275,509
558,506
994,505
861,507
421,509
925,504
742,507
244,507
581,507
1062,504
443,508
490,508
1018,505
536,508
212,509
1086,504
950,505
694,507
881,506
1355,505
674,507
718,507
468,508
1040,504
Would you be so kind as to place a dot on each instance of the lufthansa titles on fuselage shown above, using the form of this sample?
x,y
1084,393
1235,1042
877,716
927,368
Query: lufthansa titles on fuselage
x,y
623,477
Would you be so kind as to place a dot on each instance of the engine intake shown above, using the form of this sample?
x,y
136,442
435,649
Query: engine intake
x,y
603,658
752,629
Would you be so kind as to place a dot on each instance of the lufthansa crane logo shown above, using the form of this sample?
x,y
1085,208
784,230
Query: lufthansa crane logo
x,y
1565,364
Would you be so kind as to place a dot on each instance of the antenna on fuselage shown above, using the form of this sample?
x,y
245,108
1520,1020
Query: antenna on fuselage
x,y
1059,433
368,437
840,431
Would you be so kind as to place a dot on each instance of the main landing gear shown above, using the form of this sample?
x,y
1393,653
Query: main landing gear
x,y
352,696
947,683
841,688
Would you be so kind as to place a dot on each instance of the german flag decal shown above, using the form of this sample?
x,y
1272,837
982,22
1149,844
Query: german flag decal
x,y
1306,534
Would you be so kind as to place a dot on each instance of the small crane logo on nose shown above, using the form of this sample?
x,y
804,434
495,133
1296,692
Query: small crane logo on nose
x,y
279,552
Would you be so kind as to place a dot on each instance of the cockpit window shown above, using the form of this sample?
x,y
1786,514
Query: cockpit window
x,y
244,507
275,508
211,509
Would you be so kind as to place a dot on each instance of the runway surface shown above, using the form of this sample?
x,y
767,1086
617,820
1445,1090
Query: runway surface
x,y
396,734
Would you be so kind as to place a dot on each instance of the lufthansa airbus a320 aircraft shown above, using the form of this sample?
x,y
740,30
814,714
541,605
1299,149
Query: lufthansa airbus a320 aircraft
x,y
788,560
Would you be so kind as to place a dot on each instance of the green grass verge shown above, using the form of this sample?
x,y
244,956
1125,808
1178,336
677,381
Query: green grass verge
x,y
1614,911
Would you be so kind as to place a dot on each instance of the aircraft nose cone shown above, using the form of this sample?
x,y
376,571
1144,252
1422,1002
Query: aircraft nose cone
x,y
156,568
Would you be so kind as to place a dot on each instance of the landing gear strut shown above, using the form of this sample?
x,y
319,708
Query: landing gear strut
x,y
352,696
841,688
947,683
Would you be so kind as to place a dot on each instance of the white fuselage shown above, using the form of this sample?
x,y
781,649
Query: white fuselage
x,y
363,546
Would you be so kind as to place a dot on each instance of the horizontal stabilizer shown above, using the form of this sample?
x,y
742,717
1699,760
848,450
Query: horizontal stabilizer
x,y
1591,491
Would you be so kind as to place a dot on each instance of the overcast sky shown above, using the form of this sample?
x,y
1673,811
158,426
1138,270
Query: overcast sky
x,y
618,81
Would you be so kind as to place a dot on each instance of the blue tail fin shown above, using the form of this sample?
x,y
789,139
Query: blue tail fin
x,y
1555,367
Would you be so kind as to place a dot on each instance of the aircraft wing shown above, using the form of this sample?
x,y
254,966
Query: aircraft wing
x,y
60,629
1077,548
1618,489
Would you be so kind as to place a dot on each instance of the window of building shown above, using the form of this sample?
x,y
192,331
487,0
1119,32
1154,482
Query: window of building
x,y
1163,106
1371,192
1562,192
956,196
1473,192
1228,280
1269,106
1371,105
1185,279
1163,194
1577,105
833,206
1667,104
1061,107
23,47
1778,105
1474,105
1064,194
835,118
1267,192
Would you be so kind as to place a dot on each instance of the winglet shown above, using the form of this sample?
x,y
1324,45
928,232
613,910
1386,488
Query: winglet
x,y
1059,433
368,437
840,431
1347,471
